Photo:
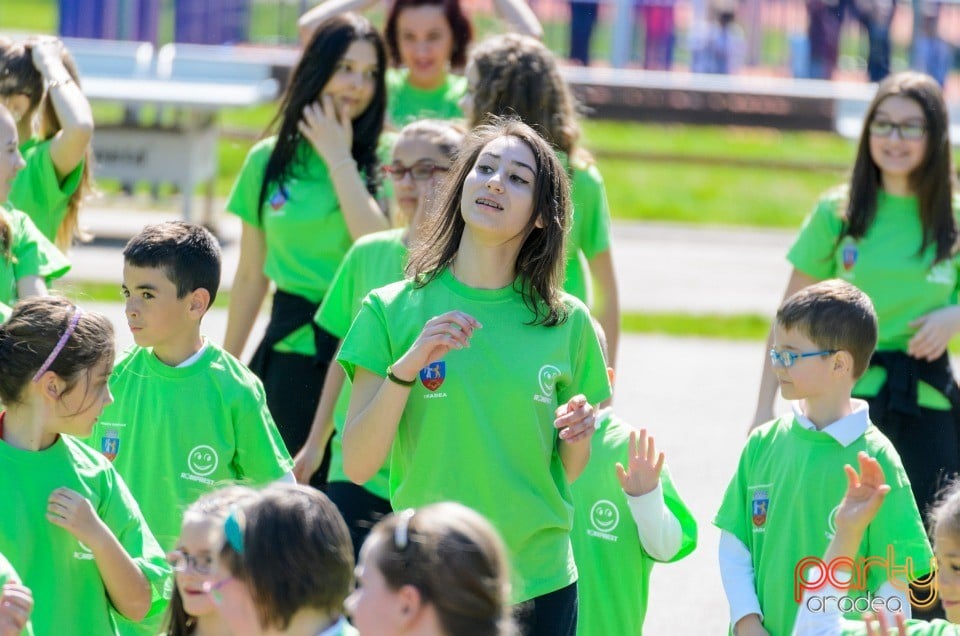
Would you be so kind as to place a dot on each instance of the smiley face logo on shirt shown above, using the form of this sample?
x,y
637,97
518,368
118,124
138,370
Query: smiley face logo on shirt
x,y
547,379
202,460
604,516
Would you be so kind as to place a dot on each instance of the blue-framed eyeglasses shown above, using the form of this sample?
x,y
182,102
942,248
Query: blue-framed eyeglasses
x,y
786,359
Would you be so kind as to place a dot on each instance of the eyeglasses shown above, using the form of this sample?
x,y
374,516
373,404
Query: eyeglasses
x,y
182,561
213,589
786,359
909,130
420,171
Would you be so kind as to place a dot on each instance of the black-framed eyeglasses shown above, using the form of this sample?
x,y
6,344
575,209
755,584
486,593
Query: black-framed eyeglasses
x,y
909,130
182,561
420,171
786,359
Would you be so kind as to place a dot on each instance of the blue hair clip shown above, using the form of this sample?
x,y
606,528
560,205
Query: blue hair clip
x,y
233,529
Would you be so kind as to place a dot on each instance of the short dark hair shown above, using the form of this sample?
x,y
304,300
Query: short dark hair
x,y
188,254
835,315
296,553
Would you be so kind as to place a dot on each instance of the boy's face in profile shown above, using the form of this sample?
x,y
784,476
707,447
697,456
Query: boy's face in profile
x,y
155,315
807,377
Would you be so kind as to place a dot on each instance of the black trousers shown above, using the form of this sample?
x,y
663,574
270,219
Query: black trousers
x,y
552,614
360,508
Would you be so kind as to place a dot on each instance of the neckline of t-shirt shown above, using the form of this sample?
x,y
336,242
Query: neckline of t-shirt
x,y
811,434
179,372
451,282
423,92
907,202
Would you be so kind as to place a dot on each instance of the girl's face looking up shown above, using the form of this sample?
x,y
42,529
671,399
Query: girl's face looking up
x,y
497,198
425,42
195,560
353,82
898,139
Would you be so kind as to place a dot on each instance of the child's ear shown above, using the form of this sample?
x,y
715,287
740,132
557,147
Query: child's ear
x,y
51,386
409,603
843,363
199,302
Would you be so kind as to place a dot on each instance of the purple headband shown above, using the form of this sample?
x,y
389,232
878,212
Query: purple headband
x,y
60,345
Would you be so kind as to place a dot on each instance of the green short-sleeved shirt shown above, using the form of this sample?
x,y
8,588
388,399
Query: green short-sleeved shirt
x,y
406,103
303,226
31,254
60,571
605,539
176,433
7,573
484,414
781,503
39,192
885,265
374,260
914,628
589,231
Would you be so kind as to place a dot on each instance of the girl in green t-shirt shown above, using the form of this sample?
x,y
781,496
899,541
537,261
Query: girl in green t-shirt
x,y
27,258
893,233
304,196
514,75
428,42
440,570
40,74
286,565
71,526
486,412
192,611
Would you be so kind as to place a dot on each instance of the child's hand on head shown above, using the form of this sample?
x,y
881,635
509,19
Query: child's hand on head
x,y
73,512
576,420
643,466
440,334
329,132
16,603
865,493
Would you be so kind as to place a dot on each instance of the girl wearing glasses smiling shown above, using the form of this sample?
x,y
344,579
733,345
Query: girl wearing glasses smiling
x,y
421,158
893,233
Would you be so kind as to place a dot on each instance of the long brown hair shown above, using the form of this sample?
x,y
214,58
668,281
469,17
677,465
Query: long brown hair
x,y
519,77
18,76
541,258
932,181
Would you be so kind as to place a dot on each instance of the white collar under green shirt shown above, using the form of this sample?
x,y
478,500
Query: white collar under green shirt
x,y
847,429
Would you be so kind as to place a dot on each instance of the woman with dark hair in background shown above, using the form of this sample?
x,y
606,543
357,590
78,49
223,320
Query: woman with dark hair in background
x,y
304,195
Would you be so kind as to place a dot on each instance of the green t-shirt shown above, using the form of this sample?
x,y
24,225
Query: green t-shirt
x,y
7,573
590,228
605,539
782,501
374,260
477,427
37,191
406,103
885,265
31,254
175,433
304,230
67,589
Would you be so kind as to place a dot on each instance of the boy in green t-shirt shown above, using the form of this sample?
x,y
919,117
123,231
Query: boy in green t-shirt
x,y
623,521
779,509
187,415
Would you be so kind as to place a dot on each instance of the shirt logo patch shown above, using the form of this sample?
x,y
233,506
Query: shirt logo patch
x,y
604,517
849,255
547,378
110,444
201,460
279,198
759,506
832,523
433,375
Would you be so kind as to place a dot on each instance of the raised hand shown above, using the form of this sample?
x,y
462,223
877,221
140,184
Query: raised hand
x,y
330,133
879,625
440,334
73,512
865,493
16,603
643,465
